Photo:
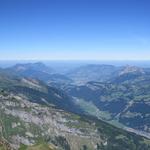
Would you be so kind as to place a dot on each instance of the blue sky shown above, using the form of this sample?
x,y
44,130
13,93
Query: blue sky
x,y
75,29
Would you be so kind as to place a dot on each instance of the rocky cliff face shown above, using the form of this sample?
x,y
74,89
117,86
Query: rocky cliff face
x,y
4,145
24,125
24,122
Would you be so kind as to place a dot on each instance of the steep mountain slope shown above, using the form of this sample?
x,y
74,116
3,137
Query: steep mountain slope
x,y
130,73
38,92
27,125
126,98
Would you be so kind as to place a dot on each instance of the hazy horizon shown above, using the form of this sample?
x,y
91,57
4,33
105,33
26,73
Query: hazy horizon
x,y
77,63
